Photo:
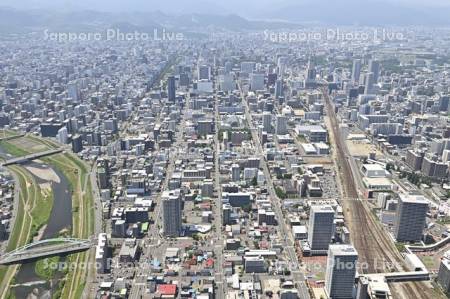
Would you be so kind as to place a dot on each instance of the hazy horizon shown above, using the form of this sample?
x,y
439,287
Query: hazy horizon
x,y
246,8
343,12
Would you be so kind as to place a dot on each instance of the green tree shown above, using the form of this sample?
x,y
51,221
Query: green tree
x,y
280,193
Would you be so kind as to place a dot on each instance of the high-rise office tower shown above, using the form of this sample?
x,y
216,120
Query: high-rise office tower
x,y
444,274
267,121
311,71
362,288
356,71
257,82
171,205
278,88
410,218
444,103
374,67
321,227
235,172
171,88
341,271
73,91
247,67
226,214
226,82
281,64
271,79
281,125
204,72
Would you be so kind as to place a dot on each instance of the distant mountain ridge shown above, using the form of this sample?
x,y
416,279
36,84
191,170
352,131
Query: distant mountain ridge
x,y
17,21
224,14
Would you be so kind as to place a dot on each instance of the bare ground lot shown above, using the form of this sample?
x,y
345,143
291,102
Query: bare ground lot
x,y
28,144
44,173
361,148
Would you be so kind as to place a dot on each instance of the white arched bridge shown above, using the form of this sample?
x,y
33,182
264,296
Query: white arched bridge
x,y
44,248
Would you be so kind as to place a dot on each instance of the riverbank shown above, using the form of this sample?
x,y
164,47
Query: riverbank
x,y
77,172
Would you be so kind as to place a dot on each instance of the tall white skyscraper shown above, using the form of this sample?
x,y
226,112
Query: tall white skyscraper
x,y
281,64
369,82
62,135
341,271
320,230
171,205
410,218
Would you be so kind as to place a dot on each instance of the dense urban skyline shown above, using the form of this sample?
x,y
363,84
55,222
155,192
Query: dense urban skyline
x,y
236,150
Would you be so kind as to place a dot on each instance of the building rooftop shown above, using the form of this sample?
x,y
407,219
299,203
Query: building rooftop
x,y
343,249
410,198
167,289
322,209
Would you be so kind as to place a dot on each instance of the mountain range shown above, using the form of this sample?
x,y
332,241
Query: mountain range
x,y
234,15
19,21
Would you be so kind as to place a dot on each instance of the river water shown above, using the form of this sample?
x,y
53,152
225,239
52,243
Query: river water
x,y
27,283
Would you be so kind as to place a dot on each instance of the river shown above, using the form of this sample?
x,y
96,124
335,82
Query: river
x,y
26,283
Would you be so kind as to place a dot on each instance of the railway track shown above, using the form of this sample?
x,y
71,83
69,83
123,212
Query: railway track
x,y
376,252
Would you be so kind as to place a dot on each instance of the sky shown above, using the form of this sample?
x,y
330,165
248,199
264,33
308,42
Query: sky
x,y
352,12
240,7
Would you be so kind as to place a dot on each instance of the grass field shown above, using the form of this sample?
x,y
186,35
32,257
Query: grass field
x,y
31,202
12,149
43,270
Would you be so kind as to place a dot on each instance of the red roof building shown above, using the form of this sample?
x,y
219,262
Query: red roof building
x,y
167,289
209,263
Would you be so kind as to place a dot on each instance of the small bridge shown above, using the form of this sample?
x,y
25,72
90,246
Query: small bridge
x,y
11,137
400,276
431,247
44,248
30,157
